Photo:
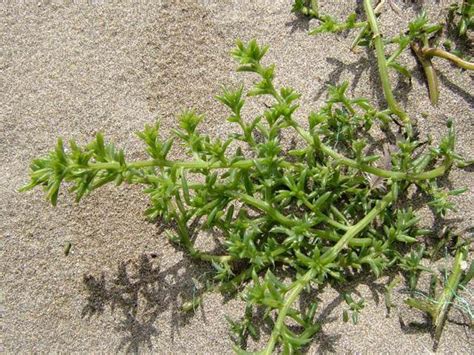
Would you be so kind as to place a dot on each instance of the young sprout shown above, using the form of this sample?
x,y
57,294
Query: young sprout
x,y
411,264
354,306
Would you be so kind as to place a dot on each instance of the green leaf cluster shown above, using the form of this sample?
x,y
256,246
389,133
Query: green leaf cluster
x,y
464,15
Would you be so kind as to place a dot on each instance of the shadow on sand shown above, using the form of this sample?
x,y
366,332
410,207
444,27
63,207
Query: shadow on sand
x,y
140,291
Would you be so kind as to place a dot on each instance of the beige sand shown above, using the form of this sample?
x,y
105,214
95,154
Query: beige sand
x,y
70,69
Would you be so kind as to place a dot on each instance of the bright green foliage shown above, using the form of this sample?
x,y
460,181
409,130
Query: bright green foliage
x,y
327,23
311,212
354,306
464,15
74,167
420,27
411,264
306,7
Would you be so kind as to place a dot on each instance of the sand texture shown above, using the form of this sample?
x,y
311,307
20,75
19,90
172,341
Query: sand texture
x,y
72,68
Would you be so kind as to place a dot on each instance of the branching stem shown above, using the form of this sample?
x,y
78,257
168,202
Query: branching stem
x,y
282,219
332,253
326,258
388,174
437,52
430,73
382,64
449,292
247,164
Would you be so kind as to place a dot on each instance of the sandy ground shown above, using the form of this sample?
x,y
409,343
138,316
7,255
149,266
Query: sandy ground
x,y
71,69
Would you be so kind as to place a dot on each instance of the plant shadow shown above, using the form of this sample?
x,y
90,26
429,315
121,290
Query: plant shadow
x,y
139,291
357,69
299,23
456,89
327,341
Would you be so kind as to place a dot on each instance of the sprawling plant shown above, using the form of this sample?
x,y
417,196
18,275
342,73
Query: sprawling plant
x,y
319,212
288,219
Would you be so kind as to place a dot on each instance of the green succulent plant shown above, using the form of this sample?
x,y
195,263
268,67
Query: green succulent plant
x,y
311,212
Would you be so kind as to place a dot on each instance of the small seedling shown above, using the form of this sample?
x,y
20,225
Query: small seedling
x,y
354,307
411,264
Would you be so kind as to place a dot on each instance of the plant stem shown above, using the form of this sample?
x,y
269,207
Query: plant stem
x,y
437,52
209,257
282,219
326,258
332,253
296,290
247,164
366,27
449,291
382,65
355,242
188,244
438,308
430,73
388,174
197,164
431,174
395,54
